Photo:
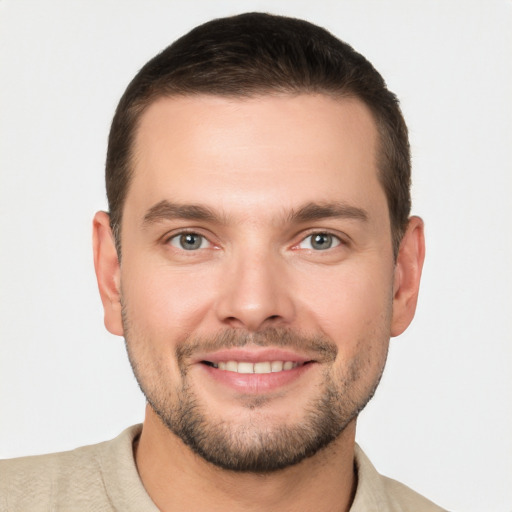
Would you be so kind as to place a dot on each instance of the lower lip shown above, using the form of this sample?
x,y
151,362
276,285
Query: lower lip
x,y
256,383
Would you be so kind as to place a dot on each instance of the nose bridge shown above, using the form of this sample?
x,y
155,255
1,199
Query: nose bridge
x,y
254,290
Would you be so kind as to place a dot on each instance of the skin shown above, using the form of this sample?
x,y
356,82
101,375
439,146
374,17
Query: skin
x,y
254,163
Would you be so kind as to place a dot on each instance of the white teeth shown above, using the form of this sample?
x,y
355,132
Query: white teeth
x,y
260,367
276,366
245,368
232,366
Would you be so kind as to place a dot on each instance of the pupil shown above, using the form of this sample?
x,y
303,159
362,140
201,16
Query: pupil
x,y
322,241
190,241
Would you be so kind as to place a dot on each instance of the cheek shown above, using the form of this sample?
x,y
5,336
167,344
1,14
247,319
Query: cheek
x,y
355,314
162,308
166,301
350,305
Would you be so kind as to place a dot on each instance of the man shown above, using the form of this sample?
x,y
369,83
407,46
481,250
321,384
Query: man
x,y
257,256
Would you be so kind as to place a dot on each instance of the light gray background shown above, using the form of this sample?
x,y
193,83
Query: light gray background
x,y
442,418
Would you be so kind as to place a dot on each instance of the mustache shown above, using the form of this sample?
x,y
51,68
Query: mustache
x,y
317,345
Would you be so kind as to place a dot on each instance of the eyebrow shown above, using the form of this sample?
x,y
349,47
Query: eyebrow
x,y
165,210
318,211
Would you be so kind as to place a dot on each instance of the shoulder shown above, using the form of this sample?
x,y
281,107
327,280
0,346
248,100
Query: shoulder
x,y
406,498
43,481
377,493
71,479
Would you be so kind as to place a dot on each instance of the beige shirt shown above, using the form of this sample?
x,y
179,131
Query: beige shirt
x,y
103,477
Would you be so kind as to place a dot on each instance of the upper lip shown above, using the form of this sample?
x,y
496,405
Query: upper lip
x,y
252,355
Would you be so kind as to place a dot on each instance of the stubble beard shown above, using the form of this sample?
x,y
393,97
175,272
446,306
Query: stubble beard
x,y
254,446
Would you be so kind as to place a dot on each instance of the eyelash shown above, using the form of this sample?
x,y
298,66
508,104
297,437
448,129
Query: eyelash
x,y
178,236
334,239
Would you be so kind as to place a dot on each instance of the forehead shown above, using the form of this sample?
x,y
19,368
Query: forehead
x,y
242,153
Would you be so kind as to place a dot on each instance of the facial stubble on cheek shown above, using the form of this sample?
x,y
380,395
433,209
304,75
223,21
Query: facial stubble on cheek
x,y
255,445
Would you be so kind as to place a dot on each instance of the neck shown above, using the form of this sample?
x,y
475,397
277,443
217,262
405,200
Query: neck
x,y
177,479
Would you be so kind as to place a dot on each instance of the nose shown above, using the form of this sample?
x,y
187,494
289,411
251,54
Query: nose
x,y
255,292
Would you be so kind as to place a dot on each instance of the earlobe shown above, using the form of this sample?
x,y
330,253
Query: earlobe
x,y
407,276
108,272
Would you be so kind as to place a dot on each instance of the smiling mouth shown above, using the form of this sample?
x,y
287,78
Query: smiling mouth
x,y
258,367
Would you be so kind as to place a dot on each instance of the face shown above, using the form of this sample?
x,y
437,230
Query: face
x,y
257,281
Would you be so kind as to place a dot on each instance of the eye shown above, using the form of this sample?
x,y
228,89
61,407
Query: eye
x,y
189,241
319,242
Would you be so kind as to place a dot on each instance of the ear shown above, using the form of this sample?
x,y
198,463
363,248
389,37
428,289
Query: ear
x,y
407,276
108,272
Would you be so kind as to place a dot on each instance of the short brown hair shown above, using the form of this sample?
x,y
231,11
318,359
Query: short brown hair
x,y
253,54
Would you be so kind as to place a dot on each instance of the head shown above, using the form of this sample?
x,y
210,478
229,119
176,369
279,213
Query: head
x,y
258,184
256,54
